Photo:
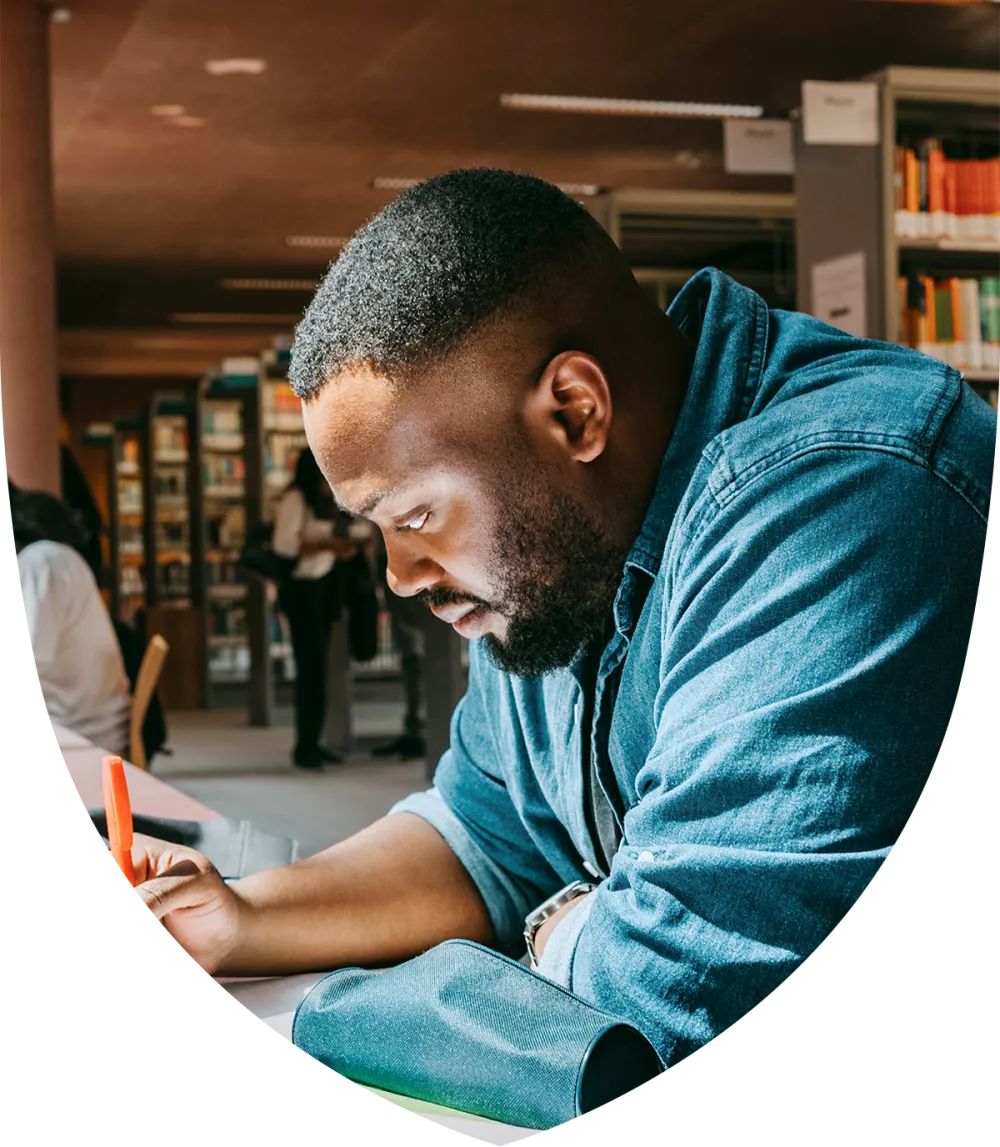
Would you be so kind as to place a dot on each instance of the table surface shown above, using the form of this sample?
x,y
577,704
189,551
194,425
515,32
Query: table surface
x,y
272,999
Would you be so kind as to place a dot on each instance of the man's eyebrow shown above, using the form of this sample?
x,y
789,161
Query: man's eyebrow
x,y
365,509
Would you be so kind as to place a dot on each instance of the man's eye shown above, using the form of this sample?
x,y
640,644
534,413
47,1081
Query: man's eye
x,y
416,523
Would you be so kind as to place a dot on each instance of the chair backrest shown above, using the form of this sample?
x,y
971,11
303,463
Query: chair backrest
x,y
145,687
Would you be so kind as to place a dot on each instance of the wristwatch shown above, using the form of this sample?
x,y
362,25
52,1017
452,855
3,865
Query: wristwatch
x,y
534,920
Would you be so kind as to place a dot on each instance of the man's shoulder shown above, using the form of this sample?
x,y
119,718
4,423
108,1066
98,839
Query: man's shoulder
x,y
824,392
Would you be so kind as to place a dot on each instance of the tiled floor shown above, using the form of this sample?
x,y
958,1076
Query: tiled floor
x,y
246,773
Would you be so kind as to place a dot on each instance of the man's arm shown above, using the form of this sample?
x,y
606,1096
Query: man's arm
x,y
452,864
381,896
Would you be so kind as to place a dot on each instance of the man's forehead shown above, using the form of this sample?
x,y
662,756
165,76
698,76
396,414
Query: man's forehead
x,y
368,440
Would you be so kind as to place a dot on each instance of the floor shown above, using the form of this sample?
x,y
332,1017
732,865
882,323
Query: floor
x,y
246,773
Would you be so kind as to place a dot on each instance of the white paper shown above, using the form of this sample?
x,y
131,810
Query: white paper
x,y
838,293
758,147
839,113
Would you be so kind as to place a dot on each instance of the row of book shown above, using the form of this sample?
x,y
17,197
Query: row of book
x,y
942,198
223,421
281,453
955,320
223,474
129,496
170,438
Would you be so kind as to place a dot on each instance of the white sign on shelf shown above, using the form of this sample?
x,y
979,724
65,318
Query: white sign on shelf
x,y
838,293
758,147
839,113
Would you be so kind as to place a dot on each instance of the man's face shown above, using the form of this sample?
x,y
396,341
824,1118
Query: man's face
x,y
477,524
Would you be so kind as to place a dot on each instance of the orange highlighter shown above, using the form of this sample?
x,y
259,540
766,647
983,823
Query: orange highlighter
x,y
118,811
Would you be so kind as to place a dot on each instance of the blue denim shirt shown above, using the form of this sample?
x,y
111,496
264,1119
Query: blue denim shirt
x,y
790,631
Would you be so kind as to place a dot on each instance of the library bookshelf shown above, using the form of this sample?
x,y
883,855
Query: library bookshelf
x,y
923,205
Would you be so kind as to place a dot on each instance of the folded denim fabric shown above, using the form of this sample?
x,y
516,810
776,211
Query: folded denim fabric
x,y
237,848
468,1028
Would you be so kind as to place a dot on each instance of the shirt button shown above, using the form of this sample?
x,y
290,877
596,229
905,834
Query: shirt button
x,y
647,857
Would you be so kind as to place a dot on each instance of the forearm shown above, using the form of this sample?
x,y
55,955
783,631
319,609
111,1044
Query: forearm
x,y
382,896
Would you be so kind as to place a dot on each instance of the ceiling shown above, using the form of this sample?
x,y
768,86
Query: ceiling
x,y
153,215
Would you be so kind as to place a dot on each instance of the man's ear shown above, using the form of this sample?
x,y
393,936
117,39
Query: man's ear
x,y
570,406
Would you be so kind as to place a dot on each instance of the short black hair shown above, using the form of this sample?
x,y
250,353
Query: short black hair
x,y
434,266
36,516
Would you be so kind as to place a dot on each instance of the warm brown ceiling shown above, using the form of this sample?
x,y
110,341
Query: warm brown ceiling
x,y
152,216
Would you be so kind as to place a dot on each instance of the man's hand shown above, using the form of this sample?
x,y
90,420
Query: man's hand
x,y
546,929
186,893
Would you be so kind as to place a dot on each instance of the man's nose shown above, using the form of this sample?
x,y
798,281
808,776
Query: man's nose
x,y
407,575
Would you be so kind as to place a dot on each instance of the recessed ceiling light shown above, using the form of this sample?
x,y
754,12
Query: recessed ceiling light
x,y
187,121
171,110
593,105
60,15
236,318
236,66
269,284
316,240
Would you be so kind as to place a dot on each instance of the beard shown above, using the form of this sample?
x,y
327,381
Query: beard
x,y
557,571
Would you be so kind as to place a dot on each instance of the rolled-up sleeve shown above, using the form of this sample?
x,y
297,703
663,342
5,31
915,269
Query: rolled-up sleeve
x,y
808,672
471,807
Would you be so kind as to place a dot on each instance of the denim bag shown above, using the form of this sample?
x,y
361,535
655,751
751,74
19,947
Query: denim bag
x,y
467,1028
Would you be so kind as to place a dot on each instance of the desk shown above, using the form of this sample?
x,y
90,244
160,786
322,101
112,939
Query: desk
x,y
273,999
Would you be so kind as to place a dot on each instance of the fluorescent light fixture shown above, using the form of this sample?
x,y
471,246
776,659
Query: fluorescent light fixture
x,y
579,188
316,240
187,121
269,284
236,66
595,105
239,318
391,183
168,110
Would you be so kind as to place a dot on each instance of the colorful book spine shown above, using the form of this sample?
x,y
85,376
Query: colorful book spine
x,y
941,198
953,319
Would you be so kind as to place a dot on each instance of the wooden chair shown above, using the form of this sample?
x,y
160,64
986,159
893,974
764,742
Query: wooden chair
x,y
145,687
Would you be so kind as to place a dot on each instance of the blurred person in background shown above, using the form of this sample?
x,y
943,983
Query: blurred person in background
x,y
408,617
309,598
77,654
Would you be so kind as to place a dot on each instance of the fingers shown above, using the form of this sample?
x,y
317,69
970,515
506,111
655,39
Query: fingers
x,y
153,858
165,894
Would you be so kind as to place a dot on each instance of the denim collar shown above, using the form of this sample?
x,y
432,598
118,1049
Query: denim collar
x,y
728,325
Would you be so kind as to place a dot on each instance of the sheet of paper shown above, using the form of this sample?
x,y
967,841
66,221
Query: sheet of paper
x,y
838,293
840,113
758,146
271,996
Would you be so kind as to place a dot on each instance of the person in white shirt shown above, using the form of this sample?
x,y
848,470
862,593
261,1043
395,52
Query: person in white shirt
x,y
77,655
303,530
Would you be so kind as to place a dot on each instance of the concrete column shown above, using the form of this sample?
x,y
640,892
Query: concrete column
x,y
28,355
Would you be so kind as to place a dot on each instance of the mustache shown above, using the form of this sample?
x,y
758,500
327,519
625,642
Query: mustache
x,y
441,597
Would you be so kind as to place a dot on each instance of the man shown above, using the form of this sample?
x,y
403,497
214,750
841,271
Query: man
x,y
719,568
